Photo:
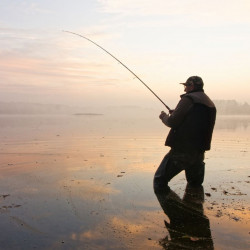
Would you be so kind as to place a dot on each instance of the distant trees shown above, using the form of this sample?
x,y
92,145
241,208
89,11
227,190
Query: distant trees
x,y
232,107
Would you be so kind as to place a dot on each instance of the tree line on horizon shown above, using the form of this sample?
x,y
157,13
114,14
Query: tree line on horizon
x,y
232,107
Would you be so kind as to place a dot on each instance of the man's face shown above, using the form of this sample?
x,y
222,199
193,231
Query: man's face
x,y
188,87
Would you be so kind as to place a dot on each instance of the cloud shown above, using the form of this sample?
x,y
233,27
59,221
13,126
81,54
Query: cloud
x,y
23,7
58,66
52,67
89,190
28,57
156,39
128,230
196,10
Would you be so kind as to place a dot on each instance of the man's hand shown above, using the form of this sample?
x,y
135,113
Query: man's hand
x,y
163,115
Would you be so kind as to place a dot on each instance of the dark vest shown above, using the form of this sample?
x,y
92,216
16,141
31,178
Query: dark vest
x,y
195,132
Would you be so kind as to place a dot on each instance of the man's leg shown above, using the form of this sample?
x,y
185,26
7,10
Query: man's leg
x,y
165,172
195,172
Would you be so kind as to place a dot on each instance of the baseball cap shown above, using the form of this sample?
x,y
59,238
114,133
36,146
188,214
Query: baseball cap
x,y
196,80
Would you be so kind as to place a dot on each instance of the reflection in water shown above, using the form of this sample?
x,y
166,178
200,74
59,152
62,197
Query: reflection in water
x,y
188,228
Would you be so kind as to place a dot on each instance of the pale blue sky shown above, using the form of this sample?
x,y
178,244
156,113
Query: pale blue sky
x,y
162,41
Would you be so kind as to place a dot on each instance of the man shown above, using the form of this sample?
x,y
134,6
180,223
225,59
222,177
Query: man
x,y
191,124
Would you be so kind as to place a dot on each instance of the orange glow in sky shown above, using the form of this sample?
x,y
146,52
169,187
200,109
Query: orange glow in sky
x,y
163,42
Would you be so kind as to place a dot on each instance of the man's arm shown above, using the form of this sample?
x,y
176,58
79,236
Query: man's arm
x,y
177,116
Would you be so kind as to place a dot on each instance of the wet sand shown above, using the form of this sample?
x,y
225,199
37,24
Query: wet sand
x,y
85,182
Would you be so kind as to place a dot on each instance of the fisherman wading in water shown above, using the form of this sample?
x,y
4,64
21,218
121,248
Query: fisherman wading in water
x,y
191,123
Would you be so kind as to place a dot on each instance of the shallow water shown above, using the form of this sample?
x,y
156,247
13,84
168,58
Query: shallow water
x,y
85,182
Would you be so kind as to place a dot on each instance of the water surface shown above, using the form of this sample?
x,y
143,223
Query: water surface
x,y
85,182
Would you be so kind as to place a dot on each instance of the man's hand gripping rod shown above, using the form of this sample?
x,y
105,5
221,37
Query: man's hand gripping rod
x,y
123,66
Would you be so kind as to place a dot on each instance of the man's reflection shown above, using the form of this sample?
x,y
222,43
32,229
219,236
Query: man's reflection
x,y
188,228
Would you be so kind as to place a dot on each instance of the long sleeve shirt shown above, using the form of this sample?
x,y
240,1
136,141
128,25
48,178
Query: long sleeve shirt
x,y
178,115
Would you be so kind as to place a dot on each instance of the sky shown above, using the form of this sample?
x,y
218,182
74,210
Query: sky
x,y
162,41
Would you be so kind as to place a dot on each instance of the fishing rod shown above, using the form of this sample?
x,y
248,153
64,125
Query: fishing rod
x,y
122,65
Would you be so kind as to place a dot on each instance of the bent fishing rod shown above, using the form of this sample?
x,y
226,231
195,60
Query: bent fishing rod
x,y
123,66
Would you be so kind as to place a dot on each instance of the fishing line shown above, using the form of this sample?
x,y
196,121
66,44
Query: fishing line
x,y
122,65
